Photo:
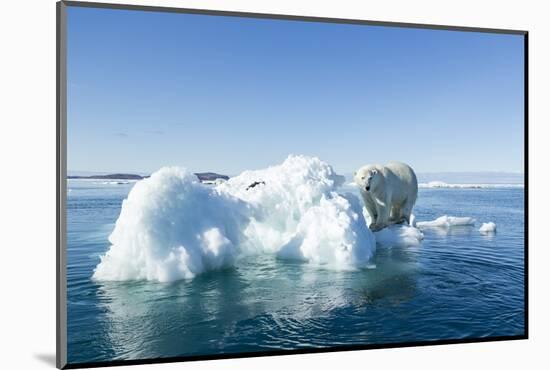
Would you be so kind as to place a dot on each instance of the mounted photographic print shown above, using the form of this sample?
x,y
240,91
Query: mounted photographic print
x,y
235,184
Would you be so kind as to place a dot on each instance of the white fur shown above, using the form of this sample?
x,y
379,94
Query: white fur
x,y
391,194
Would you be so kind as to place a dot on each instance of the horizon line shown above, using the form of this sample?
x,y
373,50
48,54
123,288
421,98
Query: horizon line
x,y
346,172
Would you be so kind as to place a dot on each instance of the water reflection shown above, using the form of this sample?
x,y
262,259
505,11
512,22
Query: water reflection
x,y
262,303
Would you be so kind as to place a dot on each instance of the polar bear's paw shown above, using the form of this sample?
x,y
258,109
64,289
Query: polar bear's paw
x,y
375,227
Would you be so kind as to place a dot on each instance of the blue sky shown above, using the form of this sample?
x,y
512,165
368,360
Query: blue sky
x,y
225,94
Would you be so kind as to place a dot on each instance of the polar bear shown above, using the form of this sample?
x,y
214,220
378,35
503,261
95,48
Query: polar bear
x,y
389,193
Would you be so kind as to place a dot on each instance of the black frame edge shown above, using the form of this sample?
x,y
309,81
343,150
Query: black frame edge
x,y
225,356
61,170
526,180
227,13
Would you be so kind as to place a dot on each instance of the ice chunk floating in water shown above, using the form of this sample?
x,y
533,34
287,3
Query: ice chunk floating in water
x,y
446,222
399,235
488,228
172,227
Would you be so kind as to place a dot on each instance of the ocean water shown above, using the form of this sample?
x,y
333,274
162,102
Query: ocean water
x,y
457,284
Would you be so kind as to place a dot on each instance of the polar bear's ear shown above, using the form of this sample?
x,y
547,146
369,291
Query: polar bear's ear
x,y
374,172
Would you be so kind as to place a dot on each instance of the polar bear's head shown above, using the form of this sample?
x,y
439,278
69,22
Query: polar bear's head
x,y
368,177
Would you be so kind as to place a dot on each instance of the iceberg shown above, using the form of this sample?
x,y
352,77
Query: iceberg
x,y
173,227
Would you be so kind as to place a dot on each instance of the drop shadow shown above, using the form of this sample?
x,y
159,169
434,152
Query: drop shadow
x,y
46,358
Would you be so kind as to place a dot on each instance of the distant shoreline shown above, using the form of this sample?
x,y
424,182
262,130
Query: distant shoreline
x,y
202,176
116,176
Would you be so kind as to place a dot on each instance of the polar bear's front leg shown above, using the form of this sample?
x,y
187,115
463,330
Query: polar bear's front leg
x,y
406,212
370,206
383,214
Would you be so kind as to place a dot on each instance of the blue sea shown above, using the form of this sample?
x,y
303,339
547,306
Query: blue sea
x,y
456,284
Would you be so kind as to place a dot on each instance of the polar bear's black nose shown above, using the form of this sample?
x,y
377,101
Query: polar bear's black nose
x,y
367,187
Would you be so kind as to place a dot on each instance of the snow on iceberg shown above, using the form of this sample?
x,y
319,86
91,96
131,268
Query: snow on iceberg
x,y
173,227
488,228
333,234
446,222
297,214
281,197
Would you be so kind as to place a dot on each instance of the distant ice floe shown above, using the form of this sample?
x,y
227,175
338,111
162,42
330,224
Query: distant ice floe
x,y
446,222
488,228
441,184
120,182
444,185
